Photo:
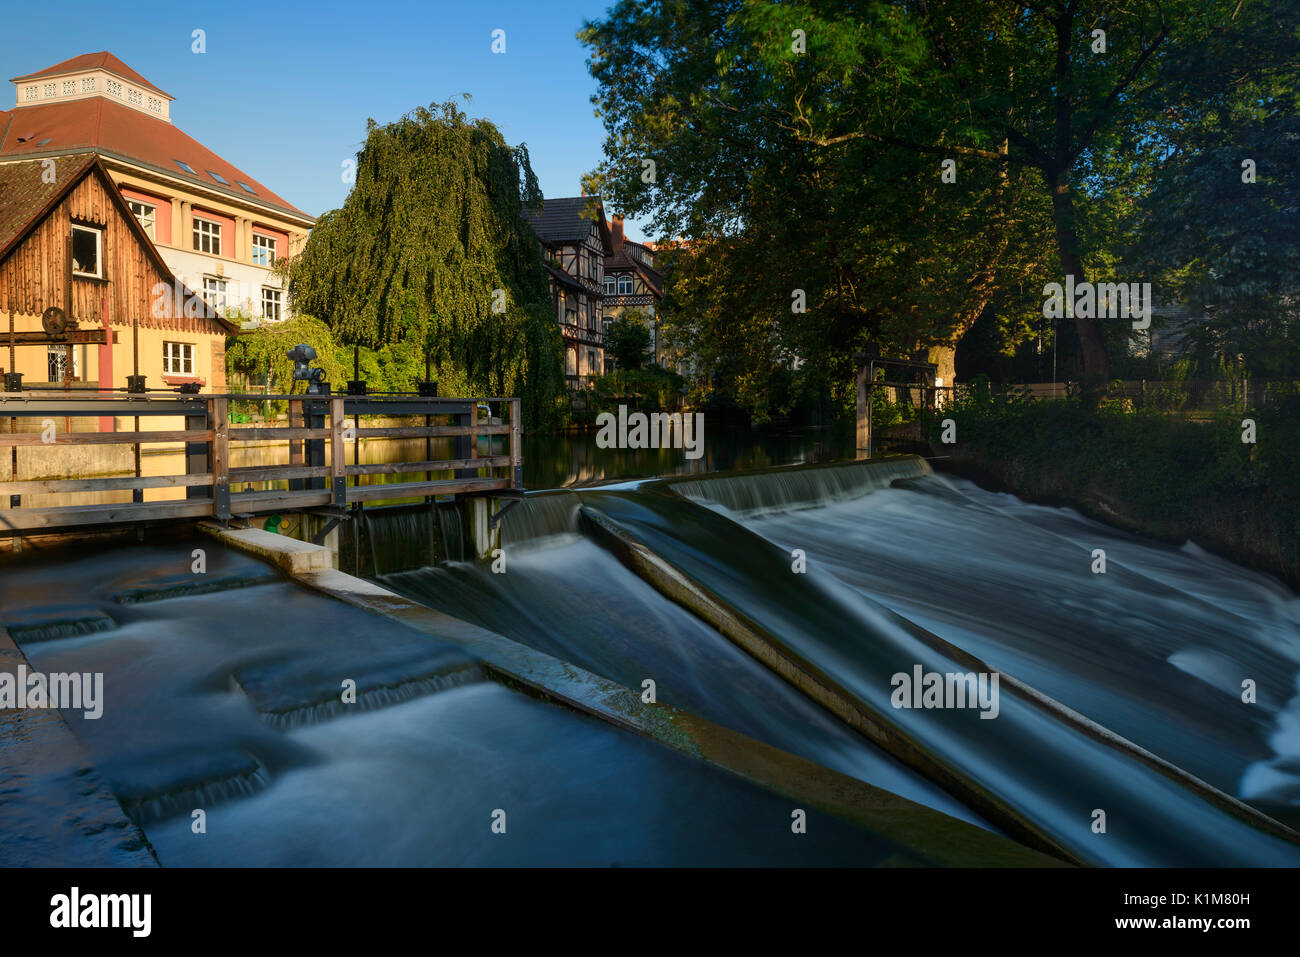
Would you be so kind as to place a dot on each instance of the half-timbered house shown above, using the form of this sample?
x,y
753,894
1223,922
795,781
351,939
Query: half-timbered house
x,y
632,283
574,242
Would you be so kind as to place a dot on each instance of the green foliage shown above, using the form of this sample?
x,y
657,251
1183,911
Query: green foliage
x,y
819,170
652,390
254,354
627,340
1229,248
427,244
1175,477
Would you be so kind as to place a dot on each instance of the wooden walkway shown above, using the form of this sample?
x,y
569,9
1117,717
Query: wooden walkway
x,y
322,434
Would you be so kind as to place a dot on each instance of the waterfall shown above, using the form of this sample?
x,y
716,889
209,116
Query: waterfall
x,y
784,489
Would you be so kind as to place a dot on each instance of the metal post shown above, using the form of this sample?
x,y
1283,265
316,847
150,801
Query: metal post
x,y
516,445
314,413
338,454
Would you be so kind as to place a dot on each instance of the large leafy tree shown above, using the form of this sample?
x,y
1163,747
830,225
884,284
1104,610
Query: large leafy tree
x,y
1045,107
430,247
1220,224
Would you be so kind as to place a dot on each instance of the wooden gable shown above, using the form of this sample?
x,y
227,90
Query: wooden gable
x,y
136,284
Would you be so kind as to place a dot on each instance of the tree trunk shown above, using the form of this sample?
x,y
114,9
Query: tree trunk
x,y
1096,359
945,376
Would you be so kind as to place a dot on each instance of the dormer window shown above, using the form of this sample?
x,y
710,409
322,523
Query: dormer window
x,y
87,247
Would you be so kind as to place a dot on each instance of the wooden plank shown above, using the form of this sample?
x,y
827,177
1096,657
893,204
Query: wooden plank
x,y
278,501
105,438
76,337
420,431
392,468
23,519
364,493
270,473
277,433
116,484
219,419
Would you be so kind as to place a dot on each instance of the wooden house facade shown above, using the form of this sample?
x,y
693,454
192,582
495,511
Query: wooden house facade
x,y
69,242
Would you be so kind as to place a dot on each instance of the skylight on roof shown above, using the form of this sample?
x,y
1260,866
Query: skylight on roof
x,y
247,188
185,166
218,177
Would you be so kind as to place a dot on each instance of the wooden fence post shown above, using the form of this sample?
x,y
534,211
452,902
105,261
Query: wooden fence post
x,y
219,422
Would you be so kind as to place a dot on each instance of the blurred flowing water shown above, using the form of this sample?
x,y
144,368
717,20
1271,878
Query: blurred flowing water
x,y
1154,650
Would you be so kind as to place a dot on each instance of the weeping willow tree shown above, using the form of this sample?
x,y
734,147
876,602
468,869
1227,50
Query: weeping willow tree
x,y
430,247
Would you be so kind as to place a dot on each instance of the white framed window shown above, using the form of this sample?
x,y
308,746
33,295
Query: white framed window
x,y
263,250
214,291
50,89
56,358
271,304
207,236
609,285
32,92
114,88
87,252
178,358
69,87
88,85
625,285
145,214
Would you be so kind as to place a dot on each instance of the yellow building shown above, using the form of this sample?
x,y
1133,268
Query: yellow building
x,y
217,231
83,290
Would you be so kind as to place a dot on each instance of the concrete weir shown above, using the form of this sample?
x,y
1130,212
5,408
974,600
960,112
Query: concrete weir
x,y
921,835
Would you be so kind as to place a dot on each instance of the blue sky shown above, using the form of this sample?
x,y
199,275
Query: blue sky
x,y
284,89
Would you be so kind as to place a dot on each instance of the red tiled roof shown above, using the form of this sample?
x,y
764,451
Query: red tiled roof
x,y
26,195
89,61
114,130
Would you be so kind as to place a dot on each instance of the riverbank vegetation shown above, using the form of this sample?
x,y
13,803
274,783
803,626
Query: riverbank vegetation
x,y
1174,477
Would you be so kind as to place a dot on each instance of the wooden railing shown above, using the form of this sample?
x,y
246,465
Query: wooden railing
x,y
320,433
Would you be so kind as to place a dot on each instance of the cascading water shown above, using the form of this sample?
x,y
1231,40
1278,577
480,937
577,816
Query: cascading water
x,y
853,615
